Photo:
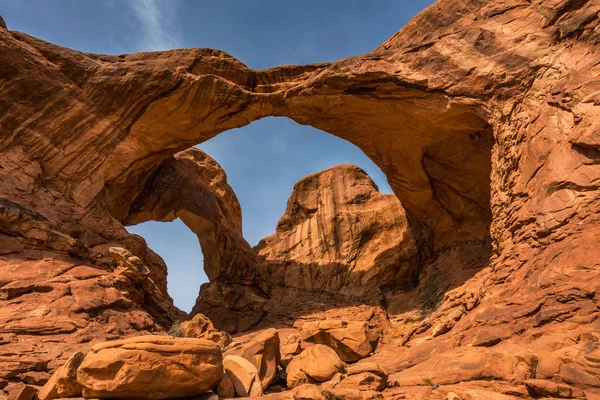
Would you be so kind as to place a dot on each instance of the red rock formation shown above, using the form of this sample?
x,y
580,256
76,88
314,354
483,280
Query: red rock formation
x,y
340,240
193,187
483,116
49,297
340,235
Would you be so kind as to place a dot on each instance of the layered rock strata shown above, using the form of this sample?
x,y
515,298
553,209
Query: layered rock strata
x,y
482,115
340,235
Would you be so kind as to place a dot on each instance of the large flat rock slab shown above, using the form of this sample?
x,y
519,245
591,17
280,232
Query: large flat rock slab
x,y
151,367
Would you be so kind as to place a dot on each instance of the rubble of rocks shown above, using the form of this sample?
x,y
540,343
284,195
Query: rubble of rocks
x,y
167,367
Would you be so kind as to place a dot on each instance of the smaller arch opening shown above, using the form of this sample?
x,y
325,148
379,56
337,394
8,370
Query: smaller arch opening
x,y
179,248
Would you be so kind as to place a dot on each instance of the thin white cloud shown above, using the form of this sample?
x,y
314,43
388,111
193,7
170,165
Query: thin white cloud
x,y
154,22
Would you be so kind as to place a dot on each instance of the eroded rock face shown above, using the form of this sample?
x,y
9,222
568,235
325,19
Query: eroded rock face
x,y
53,305
483,116
340,235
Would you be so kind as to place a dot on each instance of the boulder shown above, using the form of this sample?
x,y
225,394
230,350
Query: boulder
x,y
196,327
201,327
63,382
361,367
263,351
226,388
244,376
546,388
352,341
366,376
307,392
289,349
152,367
363,381
318,363
22,392
350,394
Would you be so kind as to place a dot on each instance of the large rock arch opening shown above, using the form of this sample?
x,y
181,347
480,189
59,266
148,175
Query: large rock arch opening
x,y
408,132
433,145
192,187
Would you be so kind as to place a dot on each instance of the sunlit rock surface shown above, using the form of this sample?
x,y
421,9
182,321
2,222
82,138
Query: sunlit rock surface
x,y
340,235
483,116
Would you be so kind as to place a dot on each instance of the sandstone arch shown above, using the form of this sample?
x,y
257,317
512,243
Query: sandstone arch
x,y
432,88
435,120
195,94
193,187
434,144
83,134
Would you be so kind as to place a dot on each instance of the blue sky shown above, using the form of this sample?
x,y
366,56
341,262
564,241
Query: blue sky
x,y
264,159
